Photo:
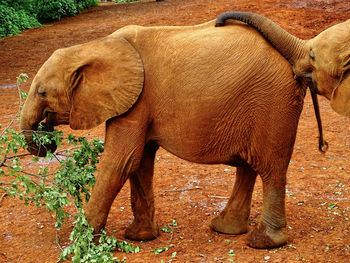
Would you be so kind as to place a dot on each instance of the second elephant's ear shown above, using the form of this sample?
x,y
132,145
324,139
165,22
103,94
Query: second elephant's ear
x,y
340,101
107,81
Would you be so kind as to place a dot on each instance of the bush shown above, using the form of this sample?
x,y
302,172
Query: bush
x,y
16,15
83,4
12,21
55,9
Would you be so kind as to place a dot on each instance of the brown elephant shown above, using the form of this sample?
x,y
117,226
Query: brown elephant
x,y
206,94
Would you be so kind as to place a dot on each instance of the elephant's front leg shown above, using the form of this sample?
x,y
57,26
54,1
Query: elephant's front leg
x,y
120,159
142,198
108,184
234,218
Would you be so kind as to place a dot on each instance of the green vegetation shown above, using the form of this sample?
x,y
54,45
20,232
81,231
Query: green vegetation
x,y
231,254
16,15
62,185
169,228
159,250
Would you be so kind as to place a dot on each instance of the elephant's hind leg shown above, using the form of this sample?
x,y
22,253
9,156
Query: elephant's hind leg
x,y
271,231
142,198
234,218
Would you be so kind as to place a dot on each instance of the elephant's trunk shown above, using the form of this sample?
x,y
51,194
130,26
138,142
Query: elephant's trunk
x,y
291,47
30,119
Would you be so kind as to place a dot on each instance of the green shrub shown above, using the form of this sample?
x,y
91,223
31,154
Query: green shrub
x,y
50,10
55,9
13,21
16,15
28,5
83,4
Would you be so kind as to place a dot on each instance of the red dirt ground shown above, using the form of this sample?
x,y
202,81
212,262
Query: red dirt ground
x,y
192,194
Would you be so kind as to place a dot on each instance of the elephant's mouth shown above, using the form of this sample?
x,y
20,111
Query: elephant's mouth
x,y
34,139
34,133
54,119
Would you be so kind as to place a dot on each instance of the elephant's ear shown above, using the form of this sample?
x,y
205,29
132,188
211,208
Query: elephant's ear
x,y
340,101
107,81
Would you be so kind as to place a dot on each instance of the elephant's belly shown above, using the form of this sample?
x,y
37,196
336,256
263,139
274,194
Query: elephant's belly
x,y
197,154
201,143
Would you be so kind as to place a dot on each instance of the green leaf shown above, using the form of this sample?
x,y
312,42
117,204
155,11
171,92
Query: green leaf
x,y
159,250
231,253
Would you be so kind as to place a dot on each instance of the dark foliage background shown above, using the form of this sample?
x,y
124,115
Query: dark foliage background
x,y
17,15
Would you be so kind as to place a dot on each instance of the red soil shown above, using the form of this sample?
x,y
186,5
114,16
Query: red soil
x,y
190,193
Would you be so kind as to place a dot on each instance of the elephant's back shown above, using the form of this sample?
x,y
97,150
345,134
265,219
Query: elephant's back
x,y
204,59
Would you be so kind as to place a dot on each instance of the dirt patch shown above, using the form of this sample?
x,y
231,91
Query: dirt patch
x,y
190,193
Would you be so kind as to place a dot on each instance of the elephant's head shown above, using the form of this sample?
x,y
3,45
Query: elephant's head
x,y
329,59
83,86
324,60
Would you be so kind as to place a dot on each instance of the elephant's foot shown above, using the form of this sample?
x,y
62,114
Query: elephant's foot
x,y
227,225
264,237
142,231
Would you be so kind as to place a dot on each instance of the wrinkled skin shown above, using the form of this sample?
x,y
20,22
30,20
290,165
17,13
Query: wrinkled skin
x,y
206,94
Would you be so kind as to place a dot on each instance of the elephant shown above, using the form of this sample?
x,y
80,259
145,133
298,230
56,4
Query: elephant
x,y
229,94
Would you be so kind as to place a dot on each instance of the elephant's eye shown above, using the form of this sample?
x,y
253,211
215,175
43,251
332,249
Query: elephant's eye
x,y
312,55
347,64
42,94
347,67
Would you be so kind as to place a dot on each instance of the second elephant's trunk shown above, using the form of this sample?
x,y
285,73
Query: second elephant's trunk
x,y
291,47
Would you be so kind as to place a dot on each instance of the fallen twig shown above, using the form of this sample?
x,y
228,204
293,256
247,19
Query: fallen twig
x,y
217,196
182,190
2,197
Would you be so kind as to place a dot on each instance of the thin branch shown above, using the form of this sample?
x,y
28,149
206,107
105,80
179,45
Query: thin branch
x,y
18,155
73,201
20,99
56,157
2,197
68,149
166,241
34,175
41,177
217,196
19,110
182,190
4,183
58,241
7,127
